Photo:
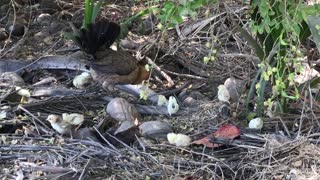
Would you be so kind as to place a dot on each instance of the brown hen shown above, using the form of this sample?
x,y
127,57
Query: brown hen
x,y
109,67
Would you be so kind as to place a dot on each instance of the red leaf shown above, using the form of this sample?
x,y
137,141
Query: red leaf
x,y
225,131
205,141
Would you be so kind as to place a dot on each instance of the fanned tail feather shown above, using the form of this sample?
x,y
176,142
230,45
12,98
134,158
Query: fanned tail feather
x,y
102,33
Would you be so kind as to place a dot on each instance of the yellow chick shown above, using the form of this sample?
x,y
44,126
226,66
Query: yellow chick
x,y
73,118
179,140
24,93
223,93
81,80
58,124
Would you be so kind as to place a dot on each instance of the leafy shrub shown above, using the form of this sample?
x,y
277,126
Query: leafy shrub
x,y
280,27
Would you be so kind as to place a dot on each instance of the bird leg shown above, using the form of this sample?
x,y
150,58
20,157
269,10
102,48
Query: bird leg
x,y
112,80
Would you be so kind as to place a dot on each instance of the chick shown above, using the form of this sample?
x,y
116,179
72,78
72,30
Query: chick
x,y
223,93
58,124
24,93
81,80
179,140
73,118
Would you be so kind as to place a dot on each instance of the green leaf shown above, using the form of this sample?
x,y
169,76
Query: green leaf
x,y
182,11
88,13
177,19
282,8
251,41
304,15
196,4
183,2
284,94
282,42
313,23
260,29
296,28
96,10
264,8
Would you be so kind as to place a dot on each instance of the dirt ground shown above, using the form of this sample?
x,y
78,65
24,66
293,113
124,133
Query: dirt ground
x,y
285,148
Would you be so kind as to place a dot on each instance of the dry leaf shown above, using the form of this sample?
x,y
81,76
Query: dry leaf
x,y
225,131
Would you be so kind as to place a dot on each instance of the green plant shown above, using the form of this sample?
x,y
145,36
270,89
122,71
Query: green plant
x,y
280,27
173,13
91,12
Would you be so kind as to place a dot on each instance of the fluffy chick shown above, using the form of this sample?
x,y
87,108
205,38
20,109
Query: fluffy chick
x,y
223,93
179,140
58,124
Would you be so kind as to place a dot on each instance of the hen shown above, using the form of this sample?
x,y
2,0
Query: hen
x,y
108,67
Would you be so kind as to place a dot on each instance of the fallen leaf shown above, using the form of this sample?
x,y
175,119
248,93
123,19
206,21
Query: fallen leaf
x,y
307,73
225,131
206,142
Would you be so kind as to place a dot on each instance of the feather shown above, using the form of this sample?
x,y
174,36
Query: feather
x,y
101,33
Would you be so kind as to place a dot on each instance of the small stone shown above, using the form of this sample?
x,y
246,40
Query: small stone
x,y
55,27
48,40
11,78
15,30
121,110
65,15
3,10
41,35
197,95
44,19
3,34
256,123
297,163
225,111
155,129
125,126
85,134
49,6
190,102
182,95
234,87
